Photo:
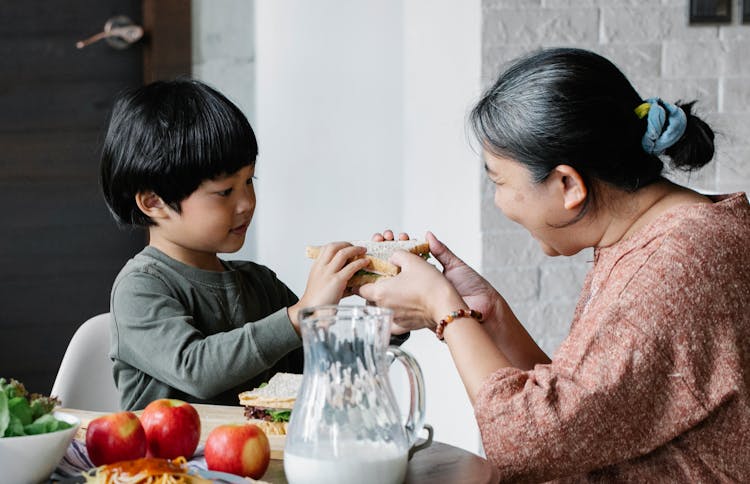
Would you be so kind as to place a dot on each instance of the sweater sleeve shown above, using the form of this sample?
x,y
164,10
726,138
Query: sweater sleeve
x,y
156,334
624,382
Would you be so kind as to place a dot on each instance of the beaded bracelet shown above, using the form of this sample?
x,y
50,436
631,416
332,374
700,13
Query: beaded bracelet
x,y
461,313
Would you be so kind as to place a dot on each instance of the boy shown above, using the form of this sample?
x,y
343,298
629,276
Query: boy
x,y
178,159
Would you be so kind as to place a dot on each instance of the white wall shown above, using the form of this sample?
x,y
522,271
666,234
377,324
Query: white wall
x,y
328,100
442,175
360,110
223,45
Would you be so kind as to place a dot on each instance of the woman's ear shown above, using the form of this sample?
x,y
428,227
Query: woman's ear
x,y
573,188
151,205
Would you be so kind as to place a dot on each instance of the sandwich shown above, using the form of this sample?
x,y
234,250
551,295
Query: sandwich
x,y
378,253
270,405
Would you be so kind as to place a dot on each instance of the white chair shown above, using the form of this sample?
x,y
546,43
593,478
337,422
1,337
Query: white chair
x,y
84,380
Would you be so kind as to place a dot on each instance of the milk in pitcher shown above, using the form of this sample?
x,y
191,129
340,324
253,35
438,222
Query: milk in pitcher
x,y
361,464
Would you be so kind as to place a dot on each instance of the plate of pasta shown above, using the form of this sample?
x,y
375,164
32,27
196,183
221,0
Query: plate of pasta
x,y
150,470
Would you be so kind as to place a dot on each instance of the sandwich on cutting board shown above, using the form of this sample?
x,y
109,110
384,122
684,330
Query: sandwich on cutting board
x,y
378,253
270,406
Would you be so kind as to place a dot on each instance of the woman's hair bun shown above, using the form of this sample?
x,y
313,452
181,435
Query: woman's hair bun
x,y
696,147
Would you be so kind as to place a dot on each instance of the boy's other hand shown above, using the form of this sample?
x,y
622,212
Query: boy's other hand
x,y
329,274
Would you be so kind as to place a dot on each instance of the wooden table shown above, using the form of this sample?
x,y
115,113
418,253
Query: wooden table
x,y
438,464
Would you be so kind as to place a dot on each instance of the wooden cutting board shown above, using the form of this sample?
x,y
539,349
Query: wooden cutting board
x,y
211,417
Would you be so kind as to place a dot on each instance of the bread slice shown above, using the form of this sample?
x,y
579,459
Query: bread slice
x,y
280,392
378,254
270,428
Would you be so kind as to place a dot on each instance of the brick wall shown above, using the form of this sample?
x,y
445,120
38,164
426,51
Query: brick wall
x,y
652,43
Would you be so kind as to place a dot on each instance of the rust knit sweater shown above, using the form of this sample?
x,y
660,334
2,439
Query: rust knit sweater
x,y
652,382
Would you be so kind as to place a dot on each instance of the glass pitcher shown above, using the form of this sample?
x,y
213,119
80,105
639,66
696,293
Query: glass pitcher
x,y
346,426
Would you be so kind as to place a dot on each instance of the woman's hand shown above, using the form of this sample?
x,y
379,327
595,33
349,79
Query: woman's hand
x,y
476,292
408,318
417,294
421,299
507,333
473,288
329,274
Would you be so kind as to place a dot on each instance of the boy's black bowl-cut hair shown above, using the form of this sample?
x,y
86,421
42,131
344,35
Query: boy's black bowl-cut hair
x,y
168,137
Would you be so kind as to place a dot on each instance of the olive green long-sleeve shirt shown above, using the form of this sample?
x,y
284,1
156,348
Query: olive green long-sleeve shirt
x,y
195,335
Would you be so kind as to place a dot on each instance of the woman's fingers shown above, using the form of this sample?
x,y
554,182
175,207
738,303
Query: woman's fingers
x,y
402,258
387,234
442,253
368,292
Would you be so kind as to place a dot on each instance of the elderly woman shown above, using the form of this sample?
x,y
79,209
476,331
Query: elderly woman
x,y
651,383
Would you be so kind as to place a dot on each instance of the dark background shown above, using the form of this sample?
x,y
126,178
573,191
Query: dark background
x,y
60,249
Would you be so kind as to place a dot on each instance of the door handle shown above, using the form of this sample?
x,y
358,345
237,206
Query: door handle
x,y
119,32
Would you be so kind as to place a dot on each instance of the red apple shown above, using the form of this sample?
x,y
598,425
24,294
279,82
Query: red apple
x,y
241,449
173,428
115,437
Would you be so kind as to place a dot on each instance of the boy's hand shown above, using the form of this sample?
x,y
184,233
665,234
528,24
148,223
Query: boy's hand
x,y
329,274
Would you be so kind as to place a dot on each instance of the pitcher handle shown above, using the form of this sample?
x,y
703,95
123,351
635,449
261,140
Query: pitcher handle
x,y
424,444
415,420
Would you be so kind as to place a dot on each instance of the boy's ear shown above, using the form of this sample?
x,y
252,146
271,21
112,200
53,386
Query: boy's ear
x,y
151,204
573,188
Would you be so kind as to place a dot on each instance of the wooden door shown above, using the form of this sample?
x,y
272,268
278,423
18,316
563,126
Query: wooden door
x,y
59,248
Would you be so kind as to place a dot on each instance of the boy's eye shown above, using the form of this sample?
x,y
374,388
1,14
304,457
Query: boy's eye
x,y
250,180
225,193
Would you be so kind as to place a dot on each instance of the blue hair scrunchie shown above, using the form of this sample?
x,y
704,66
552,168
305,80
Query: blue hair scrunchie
x,y
657,139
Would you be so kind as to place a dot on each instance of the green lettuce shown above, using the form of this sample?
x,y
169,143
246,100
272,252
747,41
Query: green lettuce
x,y
22,413
279,415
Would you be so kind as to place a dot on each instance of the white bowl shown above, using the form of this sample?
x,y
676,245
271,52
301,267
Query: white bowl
x,y
32,458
